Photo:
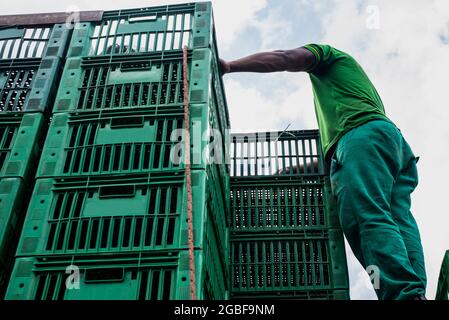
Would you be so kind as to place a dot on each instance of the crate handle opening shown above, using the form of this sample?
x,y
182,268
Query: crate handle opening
x,y
142,18
134,72
128,122
132,67
117,191
104,275
147,23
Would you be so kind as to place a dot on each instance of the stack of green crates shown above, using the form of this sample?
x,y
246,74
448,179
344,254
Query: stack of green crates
x,y
31,59
443,280
108,215
285,237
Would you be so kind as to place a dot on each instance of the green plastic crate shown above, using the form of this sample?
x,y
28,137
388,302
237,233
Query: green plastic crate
x,y
128,142
34,41
143,81
28,85
21,136
286,153
12,201
122,142
149,276
129,213
443,280
134,31
285,203
285,262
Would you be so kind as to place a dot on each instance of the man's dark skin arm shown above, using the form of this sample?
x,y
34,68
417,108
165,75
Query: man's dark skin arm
x,y
293,60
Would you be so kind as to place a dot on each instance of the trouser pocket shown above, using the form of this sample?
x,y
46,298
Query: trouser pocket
x,y
335,167
414,171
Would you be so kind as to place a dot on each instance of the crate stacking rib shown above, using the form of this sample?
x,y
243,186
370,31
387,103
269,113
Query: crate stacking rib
x,y
21,137
13,198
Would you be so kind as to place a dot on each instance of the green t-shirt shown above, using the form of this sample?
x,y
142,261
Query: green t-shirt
x,y
344,96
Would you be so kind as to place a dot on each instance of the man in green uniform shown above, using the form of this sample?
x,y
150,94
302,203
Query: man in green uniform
x,y
372,167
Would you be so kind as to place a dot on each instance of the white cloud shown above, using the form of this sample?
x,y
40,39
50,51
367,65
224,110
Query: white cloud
x,y
274,29
232,18
250,110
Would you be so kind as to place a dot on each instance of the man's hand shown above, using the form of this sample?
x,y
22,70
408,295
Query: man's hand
x,y
224,66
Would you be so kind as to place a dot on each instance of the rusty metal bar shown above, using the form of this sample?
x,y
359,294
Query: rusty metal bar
x,y
47,18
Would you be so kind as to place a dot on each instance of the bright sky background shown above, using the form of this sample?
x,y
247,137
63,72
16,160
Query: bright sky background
x,y
403,46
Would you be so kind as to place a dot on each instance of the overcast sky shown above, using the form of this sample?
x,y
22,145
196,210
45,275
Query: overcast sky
x,y
403,46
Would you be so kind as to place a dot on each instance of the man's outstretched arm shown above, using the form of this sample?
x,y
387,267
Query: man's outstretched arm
x,y
293,60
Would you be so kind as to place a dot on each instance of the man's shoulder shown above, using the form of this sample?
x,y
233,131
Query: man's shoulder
x,y
327,52
326,55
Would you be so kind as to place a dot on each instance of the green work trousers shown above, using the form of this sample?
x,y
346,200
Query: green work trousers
x,y
373,172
